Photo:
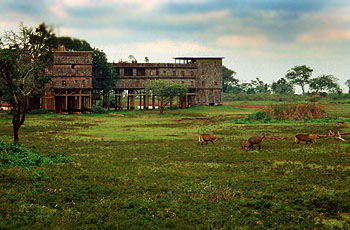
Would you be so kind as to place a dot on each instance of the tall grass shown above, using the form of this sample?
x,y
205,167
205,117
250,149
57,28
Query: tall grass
x,y
296,112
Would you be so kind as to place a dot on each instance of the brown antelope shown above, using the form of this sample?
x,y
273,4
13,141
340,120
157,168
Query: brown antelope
x,y
307,138
206,138
340,122
252,141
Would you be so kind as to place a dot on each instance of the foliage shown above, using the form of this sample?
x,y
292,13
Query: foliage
x,y
282,87
74,44
229,82
260,115
146,59
14,154
299,75
324,83
23,59
104,75
99,110
38,111
314,98
132,58
296,112
258,86
347,83
166,90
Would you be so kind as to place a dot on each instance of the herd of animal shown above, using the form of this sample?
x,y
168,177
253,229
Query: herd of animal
x,y
257,140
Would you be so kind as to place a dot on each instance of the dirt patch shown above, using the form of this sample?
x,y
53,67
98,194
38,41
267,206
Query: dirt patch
x,y
117,114
254,107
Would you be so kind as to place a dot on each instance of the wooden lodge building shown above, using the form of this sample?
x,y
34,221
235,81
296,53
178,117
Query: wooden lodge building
x,y
71,89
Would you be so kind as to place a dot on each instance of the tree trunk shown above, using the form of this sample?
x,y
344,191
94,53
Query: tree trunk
x,y
15,133
161,105
302,89
19,114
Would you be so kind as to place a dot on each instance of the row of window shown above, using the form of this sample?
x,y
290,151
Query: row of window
x,y
142,72
183,82
83,83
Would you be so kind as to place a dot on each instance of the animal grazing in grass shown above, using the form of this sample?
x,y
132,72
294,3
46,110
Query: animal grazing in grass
x,y
307,138
340,122
253,141
206,138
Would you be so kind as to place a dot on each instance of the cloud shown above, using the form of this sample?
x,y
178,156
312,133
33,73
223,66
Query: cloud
x,y
242,40
325,35
168,46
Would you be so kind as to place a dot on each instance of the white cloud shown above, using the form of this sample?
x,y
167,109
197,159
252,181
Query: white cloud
x,y
324,35
242,40
157,51
168,46
216,16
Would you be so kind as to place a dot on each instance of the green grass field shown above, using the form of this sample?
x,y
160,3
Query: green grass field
x,y
143,170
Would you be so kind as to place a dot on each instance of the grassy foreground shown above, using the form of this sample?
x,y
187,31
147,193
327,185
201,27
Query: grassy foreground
x,y
142,170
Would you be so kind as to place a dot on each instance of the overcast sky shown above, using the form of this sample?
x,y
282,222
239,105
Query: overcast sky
x,y
257,38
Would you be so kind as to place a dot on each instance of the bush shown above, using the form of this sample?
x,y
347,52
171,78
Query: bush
x,y
38,111
314,98
99,110
18,155
297,112
259,116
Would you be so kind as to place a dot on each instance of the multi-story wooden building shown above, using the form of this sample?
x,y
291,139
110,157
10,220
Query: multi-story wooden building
x,y
201,75
71,88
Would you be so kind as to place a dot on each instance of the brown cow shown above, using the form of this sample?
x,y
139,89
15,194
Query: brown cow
x,y
206,138
252,141
340,122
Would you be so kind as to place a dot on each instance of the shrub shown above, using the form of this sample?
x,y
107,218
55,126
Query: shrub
x,y
314,98
18,155
297,112
99,110
38,111
259,116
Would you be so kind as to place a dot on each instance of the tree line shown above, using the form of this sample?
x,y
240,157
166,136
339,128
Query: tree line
x,y
296,76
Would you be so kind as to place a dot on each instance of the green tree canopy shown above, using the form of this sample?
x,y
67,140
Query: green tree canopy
x,y
24,55
299,75
282,86
347,83
228,79
324,83
166,90
258,86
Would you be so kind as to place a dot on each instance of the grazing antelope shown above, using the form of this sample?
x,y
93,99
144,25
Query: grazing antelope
x,y
253,141
206,138
340,122
306,138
